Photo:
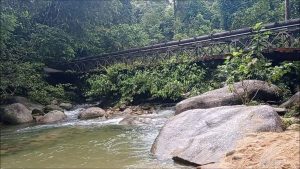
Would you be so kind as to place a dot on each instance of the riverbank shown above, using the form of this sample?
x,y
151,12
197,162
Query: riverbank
x,y
193,126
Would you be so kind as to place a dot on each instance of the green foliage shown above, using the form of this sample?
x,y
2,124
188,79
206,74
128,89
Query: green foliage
x,y
25,78
158,23
25,49
170,79
125,36
52,43
8,23
45,93
244,66
293,112
260,11
286,123
35,34
252,65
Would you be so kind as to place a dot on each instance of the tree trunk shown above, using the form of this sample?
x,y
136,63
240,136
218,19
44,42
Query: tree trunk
x,y
287,10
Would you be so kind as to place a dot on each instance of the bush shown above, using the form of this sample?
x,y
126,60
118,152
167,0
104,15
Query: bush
x,y
293,112
252,64
26,79
170,79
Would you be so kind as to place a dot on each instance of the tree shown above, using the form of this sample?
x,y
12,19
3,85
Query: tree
x,y
287,10
265,11
251,65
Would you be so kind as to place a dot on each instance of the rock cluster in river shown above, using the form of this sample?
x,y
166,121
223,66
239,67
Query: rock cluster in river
x,y
20,110
209,126
129,111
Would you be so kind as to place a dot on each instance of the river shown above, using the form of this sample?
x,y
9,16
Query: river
x,y
92,143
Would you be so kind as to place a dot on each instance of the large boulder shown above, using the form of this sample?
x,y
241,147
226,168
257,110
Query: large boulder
x,y
260,90
32,106
15,113
293,101
90,113
203,136
52,116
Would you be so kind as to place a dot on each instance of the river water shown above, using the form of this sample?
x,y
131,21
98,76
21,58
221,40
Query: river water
x,y
92,143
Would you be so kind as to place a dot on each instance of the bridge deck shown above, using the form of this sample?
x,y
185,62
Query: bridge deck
x,y
282,44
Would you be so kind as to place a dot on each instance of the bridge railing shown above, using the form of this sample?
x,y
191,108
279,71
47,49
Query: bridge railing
x,y
284,34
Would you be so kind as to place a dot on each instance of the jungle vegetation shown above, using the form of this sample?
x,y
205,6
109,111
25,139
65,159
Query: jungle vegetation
x,y
35,33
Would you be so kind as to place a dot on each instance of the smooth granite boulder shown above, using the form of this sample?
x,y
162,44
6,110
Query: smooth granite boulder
x,y
203,136
15,113
225,97
51,117
90,113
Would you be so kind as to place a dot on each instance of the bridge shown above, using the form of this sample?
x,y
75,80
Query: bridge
x,y
282,44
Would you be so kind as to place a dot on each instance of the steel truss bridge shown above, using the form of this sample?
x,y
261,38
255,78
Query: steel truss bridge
x,y
284,39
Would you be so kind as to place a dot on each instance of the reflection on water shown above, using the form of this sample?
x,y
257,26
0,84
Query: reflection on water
x,y
81,144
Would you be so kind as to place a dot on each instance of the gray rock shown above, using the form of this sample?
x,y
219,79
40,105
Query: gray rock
x,y
293,101
203,136
67,106
29,104
224,97
52,116
280,110
15,113
52,107
127,111
90,113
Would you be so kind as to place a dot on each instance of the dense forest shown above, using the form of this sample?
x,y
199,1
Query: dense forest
x,y
150,84
35,33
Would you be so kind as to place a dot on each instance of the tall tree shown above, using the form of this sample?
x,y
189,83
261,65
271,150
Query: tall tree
x,y
287,10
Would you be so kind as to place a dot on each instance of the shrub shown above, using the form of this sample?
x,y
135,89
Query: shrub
x,y
171,79
242,65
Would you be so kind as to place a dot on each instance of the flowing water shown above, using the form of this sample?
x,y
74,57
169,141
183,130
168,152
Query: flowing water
x,y
83,144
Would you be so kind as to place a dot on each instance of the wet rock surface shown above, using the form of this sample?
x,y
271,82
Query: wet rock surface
x,y
129,110
51,117
90,113
135,120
